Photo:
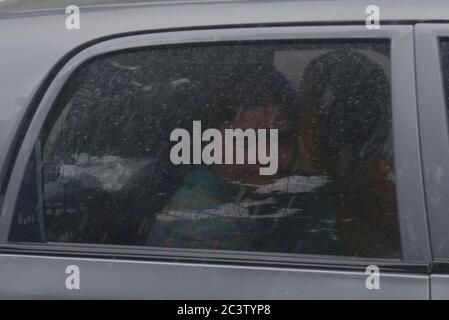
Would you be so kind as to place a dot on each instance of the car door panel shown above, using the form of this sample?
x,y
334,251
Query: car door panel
x,y
44,276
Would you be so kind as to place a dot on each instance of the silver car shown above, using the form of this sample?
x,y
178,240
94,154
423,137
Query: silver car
x,y
224,149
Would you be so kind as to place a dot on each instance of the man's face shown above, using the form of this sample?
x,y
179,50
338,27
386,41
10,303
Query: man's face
x,y
260,117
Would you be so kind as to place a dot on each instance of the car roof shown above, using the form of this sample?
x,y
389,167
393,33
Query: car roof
x,y
310,10
19,5
43,5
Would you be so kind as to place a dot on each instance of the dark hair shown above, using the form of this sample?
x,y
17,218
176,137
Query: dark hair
x,y
346,96
257,85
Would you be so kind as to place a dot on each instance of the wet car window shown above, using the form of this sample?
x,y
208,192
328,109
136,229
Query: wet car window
x,y
279,146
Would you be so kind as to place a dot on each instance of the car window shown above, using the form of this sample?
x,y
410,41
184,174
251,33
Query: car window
x,y
279,146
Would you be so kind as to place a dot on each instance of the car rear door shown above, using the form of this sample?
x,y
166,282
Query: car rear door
x,y
36,262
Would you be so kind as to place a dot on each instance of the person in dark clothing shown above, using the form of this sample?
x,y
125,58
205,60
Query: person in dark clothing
x,y
345,131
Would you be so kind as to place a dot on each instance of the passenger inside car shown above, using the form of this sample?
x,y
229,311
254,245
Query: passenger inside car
x,y
346,133
233,206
